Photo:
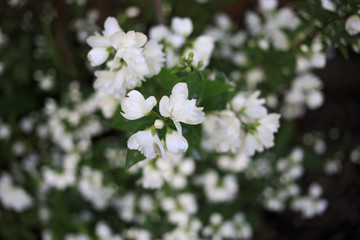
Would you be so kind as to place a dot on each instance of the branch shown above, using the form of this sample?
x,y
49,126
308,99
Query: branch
x,y
159,14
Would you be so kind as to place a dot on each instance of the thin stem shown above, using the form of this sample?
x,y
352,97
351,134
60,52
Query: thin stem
x,y
159,14
157,115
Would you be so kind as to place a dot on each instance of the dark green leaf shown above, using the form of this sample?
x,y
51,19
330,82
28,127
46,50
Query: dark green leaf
x,y
192,133
130,126
195,85
217,102
133,157
166,79
344,52
282,140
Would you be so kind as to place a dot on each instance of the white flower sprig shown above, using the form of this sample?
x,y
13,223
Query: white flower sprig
x,y
177,107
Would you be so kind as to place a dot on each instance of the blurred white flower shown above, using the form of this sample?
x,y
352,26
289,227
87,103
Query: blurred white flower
x,y
13,197
222,132
182,26
135,106
328,5
249,105
262,136
202,49
106,102
154,57
352,25
152,178
268,4
132,11
91,188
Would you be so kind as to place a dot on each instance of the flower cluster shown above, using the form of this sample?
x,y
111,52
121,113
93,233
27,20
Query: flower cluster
x,y
133,58
177,107
244,128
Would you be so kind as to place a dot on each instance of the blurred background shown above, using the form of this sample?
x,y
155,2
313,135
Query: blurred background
x,y
42,35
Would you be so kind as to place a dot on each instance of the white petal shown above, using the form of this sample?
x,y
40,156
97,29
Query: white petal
x,y
111,26
149,104
116,39
158,142
176,143
98,56
98,41
140,39
165,106
180,88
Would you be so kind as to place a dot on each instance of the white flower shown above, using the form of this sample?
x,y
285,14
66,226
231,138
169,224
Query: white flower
x,y
239,59
174,40
132,11
97,56
314,99
268,4
182,26
253,22
106,102
152,177
254,76
223,21
147,143
268,126
202,49
159,32
263,135
136,67
252,107
175,142
110,82
111,26
13,197
154,57
328,5
135,106
280,40
5,131
352,25
122,41
179,108
222,132
91,188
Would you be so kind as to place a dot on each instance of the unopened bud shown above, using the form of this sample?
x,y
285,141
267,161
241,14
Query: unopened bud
x,y
200,64
182,60
159,124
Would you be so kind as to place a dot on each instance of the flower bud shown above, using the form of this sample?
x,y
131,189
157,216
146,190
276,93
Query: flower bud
x,y
98,56
159,124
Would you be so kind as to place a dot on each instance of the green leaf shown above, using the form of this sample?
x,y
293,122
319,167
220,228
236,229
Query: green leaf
x,y
130,126
133,157
195,85
213,88
217,102
344,51
283,138
192,133
166,79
